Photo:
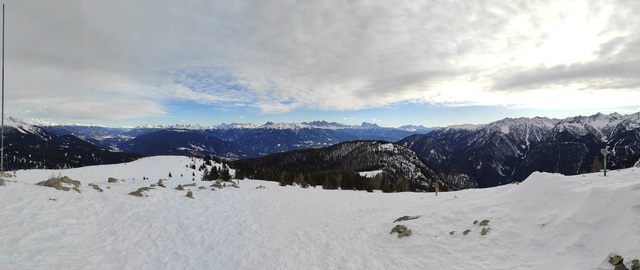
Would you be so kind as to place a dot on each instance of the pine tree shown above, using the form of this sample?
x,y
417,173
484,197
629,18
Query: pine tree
x,y
369,185
283,179
224,174
330,182
214,173
239,174
401,184
384,186
597,166
205,175
347,181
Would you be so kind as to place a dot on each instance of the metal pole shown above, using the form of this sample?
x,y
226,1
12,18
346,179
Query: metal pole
x,y
2,136
605,152
605,165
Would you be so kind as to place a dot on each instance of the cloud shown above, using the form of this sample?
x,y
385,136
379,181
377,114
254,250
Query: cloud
x,y
123,59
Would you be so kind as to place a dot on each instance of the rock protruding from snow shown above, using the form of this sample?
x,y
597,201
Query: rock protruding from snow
x,y
637,164
401,230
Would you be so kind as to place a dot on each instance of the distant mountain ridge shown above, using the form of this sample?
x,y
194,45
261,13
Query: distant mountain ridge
x,y
511,149
229,140
32,147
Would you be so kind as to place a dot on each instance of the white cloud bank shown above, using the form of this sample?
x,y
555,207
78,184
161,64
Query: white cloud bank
x,y
123,59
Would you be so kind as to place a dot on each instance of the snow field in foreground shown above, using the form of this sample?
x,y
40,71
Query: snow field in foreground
x,y
547,222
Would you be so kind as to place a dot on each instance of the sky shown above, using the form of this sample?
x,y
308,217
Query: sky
x,y
431,63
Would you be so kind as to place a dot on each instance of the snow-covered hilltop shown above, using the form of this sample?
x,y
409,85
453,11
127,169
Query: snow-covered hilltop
x,y
549,221
392,160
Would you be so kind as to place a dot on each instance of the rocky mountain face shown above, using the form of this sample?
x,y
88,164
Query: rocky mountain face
x,y
511,149
359,156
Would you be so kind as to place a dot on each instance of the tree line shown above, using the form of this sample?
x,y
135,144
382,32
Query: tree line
x,y
344,179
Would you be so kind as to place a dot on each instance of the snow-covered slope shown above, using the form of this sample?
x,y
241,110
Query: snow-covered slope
x,y
547,222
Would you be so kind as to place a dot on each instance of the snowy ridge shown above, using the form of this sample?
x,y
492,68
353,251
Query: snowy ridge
x,y
549,221
236,126
176,126
290,126
507,124
36,122
414,128
464,126
268,125
23,126
326,125
224,126
510,149
599,123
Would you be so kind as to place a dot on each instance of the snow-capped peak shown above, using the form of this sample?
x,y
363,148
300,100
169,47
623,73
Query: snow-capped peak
x,y
236,126
271,125
326,125
20,125
598,124
506,125
465,127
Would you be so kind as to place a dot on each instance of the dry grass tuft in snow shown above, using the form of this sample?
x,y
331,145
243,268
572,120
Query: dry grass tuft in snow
x,y
96,187
140,191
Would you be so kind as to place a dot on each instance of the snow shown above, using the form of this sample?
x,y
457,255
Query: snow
x,y
549,221
504,129
465,126
387,147
282,126
370,174
236,126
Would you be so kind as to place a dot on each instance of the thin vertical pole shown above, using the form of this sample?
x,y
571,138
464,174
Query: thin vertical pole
x,y
2,136
605,165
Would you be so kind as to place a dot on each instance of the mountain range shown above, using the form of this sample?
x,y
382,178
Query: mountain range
x,y
233,141
491,154
511,149
33,147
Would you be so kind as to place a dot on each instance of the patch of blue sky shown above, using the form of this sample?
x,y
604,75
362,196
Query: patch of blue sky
x,y
209,80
